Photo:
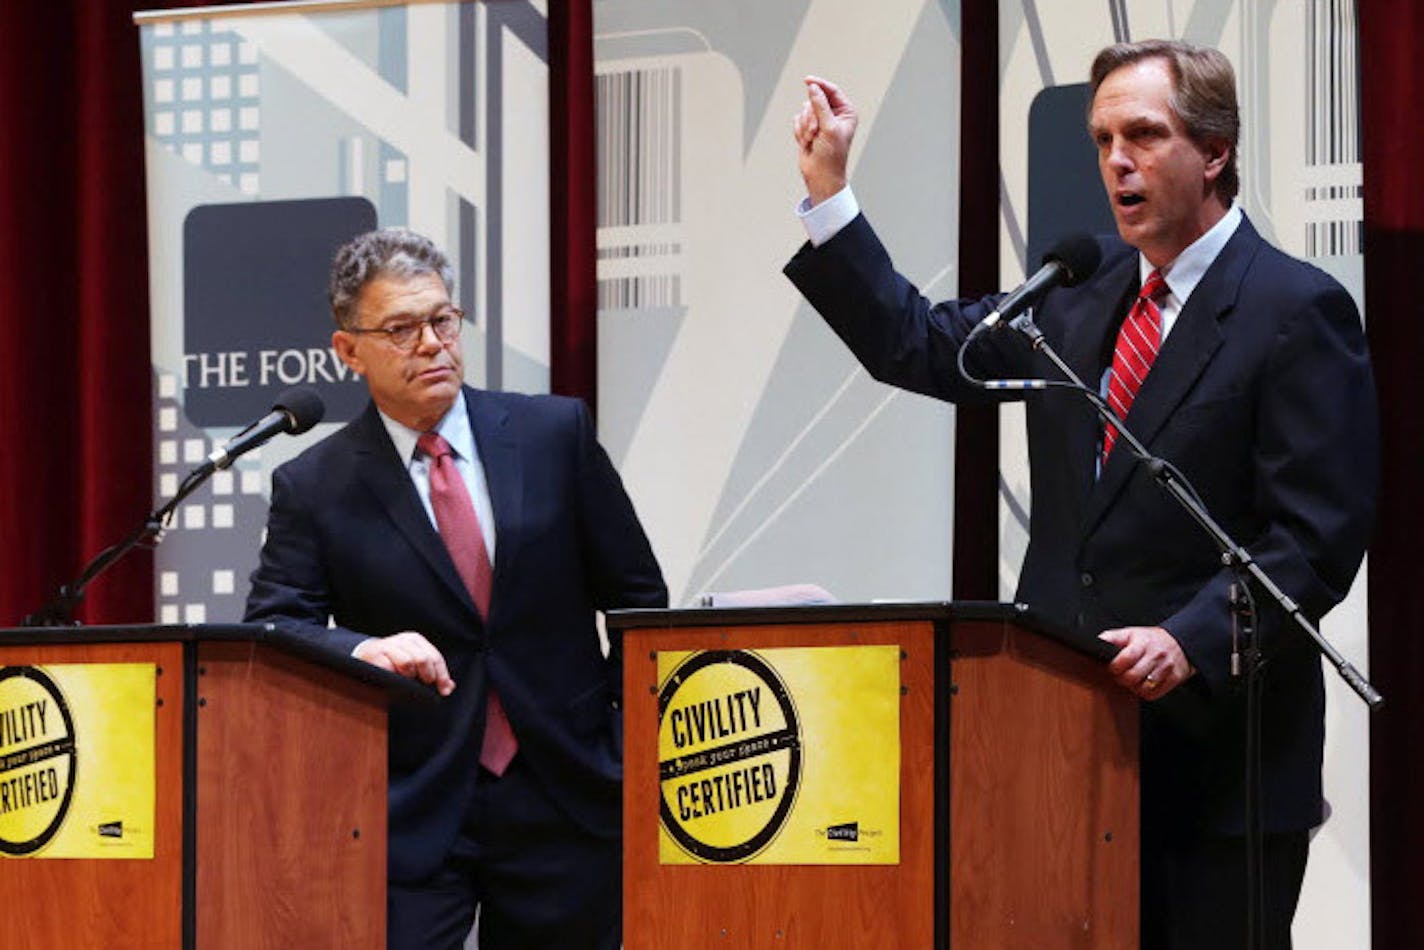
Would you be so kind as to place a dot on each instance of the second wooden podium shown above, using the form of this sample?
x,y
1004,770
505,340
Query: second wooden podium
x,y
1017,784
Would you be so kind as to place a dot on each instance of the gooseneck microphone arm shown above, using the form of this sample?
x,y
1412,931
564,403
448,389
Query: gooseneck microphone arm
x,y
58,611
295,411
1069,262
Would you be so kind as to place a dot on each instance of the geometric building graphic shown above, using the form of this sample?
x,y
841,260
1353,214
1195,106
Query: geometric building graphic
x,y
205,90
757,450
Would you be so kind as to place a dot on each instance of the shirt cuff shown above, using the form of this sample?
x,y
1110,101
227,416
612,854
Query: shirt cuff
x,y
825,220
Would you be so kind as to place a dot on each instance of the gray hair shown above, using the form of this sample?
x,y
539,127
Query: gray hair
x,y
1203,94
389,252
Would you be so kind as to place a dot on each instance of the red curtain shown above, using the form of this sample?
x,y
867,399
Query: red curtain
x,y
1392,85
976,430
74,363
573,332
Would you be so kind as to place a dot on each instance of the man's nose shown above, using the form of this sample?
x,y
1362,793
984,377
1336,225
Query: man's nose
x,y
428,340
1118,157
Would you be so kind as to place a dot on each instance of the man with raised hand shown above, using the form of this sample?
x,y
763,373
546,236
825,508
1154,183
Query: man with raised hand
x,y
1245,368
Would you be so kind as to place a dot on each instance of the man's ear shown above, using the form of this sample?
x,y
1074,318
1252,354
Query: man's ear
x,y
345,346
1217,153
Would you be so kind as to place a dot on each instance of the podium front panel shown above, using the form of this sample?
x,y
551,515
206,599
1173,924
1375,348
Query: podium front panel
x,y
1043,821
747,904
290,824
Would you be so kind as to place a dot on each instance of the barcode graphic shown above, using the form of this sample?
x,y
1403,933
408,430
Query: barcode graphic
x,y
624,252
1332,238
634,293
639,131
1332,145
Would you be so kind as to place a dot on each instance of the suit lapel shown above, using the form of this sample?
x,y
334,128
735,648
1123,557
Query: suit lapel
x,y
499,454
1194,340
388,478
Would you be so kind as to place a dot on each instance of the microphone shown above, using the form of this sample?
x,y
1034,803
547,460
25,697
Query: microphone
x,y
1069,262
295,411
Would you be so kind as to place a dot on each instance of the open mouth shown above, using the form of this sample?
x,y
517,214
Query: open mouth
x,y
1130,199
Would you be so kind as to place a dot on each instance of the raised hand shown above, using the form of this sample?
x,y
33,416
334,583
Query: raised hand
x,y
823,130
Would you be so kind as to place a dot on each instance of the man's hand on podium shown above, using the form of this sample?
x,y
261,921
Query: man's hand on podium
x,y
409,654
1149,662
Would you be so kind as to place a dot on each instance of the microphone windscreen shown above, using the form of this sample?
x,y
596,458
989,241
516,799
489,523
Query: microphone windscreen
x,y
304,407
1080,256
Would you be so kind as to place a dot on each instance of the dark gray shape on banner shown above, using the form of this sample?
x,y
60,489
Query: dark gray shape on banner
x,y
1065,190
255,314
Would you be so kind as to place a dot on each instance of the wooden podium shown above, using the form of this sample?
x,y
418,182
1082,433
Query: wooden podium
x,y
1018,792
270,797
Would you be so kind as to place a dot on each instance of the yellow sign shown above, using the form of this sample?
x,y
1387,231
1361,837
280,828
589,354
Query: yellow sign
x,y
785,756
77,760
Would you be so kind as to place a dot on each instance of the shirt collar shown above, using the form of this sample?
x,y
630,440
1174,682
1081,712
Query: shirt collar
x,y
454,427
1186,271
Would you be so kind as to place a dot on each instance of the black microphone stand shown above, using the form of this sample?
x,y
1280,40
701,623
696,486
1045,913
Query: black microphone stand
x,y
1246,657
58,611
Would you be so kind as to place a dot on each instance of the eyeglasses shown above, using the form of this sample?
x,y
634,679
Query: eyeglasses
x,y
406,336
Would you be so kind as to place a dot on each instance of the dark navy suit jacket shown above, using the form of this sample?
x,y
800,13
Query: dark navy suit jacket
x,y
1261,394
348,539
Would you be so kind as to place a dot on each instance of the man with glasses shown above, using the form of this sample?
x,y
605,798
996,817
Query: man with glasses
x,y
466,538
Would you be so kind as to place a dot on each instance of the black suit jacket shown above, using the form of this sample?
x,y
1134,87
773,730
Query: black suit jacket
x,y
1261,395
348,539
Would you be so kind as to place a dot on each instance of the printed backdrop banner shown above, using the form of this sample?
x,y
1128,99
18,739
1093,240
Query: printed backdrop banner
x,y
783,756
756,449
273,136
1296,67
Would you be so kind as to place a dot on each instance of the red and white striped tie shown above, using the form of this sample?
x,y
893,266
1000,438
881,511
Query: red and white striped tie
x,y
1136,348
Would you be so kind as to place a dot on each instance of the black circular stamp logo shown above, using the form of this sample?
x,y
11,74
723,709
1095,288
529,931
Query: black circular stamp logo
x,y
729,750
37,759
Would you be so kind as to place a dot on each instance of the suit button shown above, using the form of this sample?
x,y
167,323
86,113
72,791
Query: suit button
x,y
1086,579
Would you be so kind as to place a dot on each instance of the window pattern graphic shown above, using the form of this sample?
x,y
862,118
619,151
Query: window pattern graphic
x,y
205,99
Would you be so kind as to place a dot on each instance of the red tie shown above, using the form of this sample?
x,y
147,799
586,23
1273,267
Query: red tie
x,y
1137,344
460,530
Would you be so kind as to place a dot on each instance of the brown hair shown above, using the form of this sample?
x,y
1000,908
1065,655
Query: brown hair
x,y
1203,94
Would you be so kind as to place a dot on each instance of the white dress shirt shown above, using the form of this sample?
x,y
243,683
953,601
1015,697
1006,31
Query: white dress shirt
x,y
1183,273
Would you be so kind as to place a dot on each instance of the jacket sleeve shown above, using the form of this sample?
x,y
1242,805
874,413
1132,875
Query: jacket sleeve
x,y
290,586
893,330
619,564
618,559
